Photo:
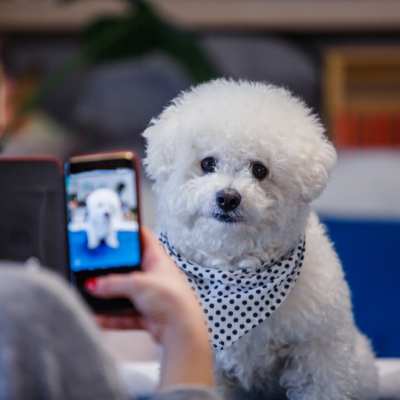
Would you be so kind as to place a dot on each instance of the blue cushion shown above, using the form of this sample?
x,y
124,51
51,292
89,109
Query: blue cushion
x,y
369,253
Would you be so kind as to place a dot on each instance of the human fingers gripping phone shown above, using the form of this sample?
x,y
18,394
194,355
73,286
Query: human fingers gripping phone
x,y
103,222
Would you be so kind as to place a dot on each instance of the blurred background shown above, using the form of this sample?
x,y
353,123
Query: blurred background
x,y
87,75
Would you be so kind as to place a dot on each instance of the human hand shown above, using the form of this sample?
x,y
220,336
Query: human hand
x,y
169,310
159,292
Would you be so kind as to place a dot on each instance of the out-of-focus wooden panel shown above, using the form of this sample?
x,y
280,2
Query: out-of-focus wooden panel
x,y
2,101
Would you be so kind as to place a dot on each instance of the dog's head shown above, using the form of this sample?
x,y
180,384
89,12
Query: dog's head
x,y
236,159
103,205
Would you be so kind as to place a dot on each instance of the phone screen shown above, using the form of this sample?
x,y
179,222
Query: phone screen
x,y
102,219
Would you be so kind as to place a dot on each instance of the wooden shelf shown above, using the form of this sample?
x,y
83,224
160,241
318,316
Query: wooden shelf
x,y
358,76
362,95
277,15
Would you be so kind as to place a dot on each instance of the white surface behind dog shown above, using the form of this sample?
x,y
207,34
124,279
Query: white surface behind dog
x,y
141,377
364,184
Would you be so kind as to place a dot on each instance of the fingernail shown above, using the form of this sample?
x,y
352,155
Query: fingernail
x,y
90,284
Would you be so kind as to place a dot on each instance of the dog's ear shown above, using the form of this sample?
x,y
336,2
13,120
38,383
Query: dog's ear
x,y
319,166
161,145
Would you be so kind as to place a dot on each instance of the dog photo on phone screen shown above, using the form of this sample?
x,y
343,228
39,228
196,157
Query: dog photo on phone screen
x,y
102,216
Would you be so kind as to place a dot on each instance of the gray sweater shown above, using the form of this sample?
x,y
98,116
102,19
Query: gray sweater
x,y
50,347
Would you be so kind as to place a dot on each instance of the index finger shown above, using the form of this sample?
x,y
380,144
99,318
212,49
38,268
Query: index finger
x,y
120,322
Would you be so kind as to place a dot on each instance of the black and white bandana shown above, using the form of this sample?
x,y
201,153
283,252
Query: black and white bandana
x,y
236,300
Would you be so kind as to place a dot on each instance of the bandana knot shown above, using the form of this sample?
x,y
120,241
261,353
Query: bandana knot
x,y
236,300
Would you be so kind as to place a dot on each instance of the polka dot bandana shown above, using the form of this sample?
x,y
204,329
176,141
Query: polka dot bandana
x,y
236,300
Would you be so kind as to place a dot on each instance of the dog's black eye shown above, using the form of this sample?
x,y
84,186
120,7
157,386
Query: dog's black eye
x,y
259,170
208,164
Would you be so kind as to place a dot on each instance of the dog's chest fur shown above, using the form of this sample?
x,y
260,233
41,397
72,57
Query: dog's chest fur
x,y
257,360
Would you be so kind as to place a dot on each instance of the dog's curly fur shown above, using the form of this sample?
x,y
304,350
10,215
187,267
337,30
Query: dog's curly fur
x,y
310,348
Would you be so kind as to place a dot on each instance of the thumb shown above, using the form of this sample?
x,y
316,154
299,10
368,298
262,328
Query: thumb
x,y
153,252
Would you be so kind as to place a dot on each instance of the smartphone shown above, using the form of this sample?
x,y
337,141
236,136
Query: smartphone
x,y
102,221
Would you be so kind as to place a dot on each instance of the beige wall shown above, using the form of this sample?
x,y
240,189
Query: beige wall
x,y
290,15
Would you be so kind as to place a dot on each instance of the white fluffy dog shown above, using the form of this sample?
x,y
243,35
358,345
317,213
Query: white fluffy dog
x,y
236,165
103,213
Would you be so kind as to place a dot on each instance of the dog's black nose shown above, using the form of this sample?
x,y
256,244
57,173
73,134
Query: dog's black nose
x,y
228,199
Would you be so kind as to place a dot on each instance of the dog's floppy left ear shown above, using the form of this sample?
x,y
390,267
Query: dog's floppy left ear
x,y
319,167
161,146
